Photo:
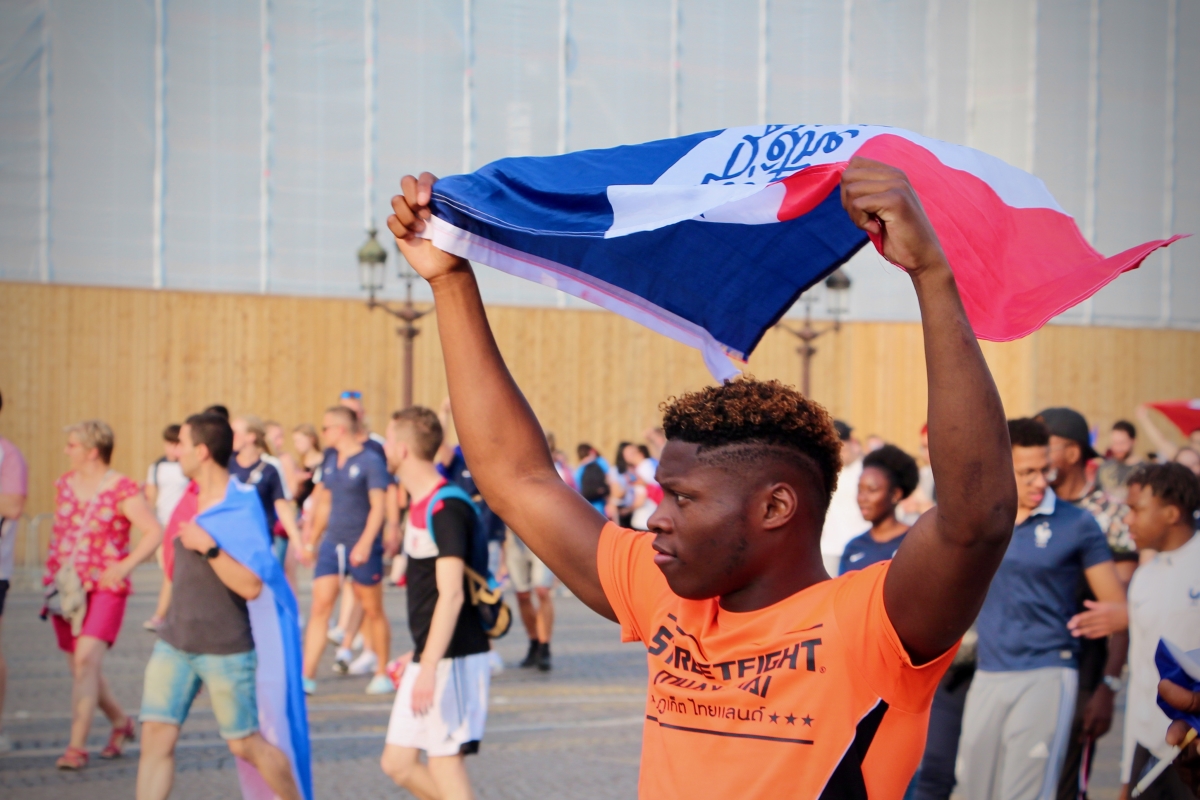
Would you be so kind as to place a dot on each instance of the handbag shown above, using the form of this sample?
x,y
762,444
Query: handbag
x,y
65,596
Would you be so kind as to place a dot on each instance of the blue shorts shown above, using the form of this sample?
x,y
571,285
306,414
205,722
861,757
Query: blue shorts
x,y
173,679
333,558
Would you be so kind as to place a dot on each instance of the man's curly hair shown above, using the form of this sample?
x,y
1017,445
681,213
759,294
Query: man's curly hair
x,y
757,413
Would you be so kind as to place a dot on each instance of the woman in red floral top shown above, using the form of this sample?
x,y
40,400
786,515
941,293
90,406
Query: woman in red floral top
x,y
95,508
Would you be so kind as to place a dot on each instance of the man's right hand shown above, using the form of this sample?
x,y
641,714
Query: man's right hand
x,y
408,220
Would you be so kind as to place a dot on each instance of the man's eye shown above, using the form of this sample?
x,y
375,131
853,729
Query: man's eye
x,y
679,498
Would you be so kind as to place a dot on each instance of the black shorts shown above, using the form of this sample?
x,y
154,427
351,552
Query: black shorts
x,y
3,594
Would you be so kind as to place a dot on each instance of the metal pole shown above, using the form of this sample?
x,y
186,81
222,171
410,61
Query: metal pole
x,y
673,98
266,78
1093,139
160,141
764,63
1169,160
371,48
564,98
1031,90
468,144
46,272
932,13
847,63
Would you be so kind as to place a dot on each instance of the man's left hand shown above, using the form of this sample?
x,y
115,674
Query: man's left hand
x,y
1098,713
881,201
360,553
1100,620
196,538
423,687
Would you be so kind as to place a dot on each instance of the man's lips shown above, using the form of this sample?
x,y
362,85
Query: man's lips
x,y
663,556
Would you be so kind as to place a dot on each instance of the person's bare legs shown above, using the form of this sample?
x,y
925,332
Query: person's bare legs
x,y
324,593
450,775
156,766
164,598
370,598
85,690
403,765
350,613
270,762
529,615
107,701
545,614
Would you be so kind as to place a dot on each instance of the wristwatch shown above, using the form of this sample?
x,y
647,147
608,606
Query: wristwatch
x,y
1114,683
213,552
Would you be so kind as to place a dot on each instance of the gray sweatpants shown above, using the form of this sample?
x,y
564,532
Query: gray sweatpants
x,y
1014,733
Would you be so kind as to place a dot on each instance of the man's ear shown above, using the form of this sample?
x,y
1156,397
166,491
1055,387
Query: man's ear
x,y
780,507
1172,513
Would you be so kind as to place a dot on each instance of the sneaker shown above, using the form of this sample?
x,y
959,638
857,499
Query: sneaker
x,y
310,686
152,623
495,662
531,656
341,662
5,743
335,635
357,644
543,657
365,664
380,684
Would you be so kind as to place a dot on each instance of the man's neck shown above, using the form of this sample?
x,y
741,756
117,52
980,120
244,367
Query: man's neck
x,y
213,481
1177,537
348,447
247,456
418,477
1073,485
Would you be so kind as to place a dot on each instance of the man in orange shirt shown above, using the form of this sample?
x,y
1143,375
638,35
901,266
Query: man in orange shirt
x,y
766,677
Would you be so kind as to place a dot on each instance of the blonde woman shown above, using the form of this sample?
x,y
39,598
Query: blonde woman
x,y
95,509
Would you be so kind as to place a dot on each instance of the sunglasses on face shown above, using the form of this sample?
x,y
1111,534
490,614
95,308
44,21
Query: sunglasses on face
x,y
351,394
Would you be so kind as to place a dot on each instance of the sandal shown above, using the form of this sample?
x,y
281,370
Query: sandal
x,y
74,759
118,739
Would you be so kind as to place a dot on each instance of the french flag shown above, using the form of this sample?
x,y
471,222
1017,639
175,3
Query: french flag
x,y
710,238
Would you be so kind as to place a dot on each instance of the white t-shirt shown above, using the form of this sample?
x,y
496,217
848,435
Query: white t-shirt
x,y
1164,602
171,482
843,521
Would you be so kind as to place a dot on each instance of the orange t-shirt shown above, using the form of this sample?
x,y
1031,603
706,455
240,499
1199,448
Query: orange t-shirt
x,y
812,697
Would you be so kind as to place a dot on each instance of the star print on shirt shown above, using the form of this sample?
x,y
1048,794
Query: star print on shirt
x,y
774,718
807,720
791,719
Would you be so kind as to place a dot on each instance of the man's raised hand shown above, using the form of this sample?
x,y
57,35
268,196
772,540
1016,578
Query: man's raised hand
x,y
881,201
410,210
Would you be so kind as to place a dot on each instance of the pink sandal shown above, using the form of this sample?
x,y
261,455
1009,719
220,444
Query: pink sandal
x,y
74,759
118,739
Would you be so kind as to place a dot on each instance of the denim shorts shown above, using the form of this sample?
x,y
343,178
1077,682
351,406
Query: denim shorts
x,y
173,678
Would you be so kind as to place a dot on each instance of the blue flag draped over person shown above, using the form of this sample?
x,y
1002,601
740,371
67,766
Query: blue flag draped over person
x,y
238,524
1183,669
710,238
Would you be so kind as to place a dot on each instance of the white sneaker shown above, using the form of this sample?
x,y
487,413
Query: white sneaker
x,y
341,661
335,635
365,664
495,662
357,644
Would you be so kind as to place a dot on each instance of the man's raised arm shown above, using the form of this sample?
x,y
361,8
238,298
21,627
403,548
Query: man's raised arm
x,y
500,437
940,576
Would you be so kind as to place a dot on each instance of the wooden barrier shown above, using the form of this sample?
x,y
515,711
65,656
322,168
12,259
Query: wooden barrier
x,y
142,359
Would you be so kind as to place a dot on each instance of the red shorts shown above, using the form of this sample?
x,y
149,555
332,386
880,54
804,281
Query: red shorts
x,y
105,611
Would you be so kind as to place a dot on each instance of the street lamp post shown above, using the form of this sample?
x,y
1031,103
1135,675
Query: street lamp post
x,y
372,260
837,303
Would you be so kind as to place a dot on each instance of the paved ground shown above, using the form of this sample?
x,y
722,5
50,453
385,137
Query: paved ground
x,y
572,733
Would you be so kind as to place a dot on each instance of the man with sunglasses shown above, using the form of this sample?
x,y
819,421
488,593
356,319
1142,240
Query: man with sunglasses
x,y
1019,709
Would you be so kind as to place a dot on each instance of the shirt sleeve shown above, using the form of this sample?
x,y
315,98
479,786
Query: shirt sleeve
x,y
328,463
1093,544
873,644
274,484
14,477
377,474
126,488
453,524
632,583
150,474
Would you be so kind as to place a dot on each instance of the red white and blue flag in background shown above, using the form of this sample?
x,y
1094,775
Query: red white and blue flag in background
x,y
711,238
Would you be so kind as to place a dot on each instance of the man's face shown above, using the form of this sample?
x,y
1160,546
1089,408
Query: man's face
x,y
190,457
333,428
1120,444
171,450
354,404
275,438
1031,465
1064,455
395,447
1149,519
706,544
851,451
633,456
240,437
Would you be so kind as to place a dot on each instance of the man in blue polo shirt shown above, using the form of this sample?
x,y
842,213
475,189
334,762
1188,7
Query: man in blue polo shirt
x,y
1020,705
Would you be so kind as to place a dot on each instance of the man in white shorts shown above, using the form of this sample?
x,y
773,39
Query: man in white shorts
x,y
441,702
530,577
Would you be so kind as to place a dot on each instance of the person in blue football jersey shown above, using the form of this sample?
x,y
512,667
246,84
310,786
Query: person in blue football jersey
x,y
1019,709
888,476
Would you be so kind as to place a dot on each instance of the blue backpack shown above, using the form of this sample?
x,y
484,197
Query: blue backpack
x,y
485,593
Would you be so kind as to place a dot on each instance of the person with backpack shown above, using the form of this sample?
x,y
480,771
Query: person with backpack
x,y
442,697
591,476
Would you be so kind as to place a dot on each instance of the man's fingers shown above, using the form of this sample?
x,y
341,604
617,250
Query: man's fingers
x,y
402,210
1177,732
1179,697
425,189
